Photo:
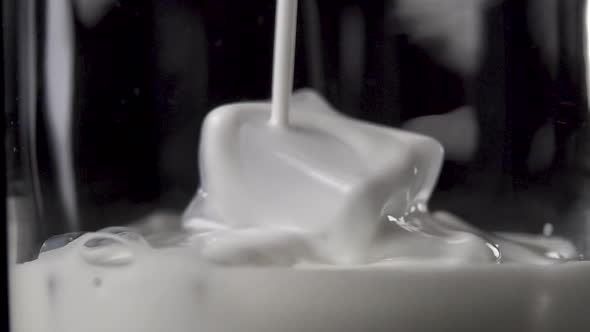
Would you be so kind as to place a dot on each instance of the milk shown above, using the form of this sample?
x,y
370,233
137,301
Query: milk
x,y
130,286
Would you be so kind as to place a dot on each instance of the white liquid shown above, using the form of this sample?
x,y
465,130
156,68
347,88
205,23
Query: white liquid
x,y
128,286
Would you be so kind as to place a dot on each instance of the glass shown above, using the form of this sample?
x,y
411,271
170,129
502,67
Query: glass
x,y
104,101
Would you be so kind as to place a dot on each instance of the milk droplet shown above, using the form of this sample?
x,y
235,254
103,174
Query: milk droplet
x,y
548,229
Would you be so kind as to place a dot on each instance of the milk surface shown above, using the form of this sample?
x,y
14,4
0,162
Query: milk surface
x,y
100,283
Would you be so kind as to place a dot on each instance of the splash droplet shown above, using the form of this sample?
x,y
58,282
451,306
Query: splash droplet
x,y
548,229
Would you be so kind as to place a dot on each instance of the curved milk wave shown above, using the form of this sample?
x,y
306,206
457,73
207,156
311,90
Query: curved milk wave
x,y
418,236
329,190
421,237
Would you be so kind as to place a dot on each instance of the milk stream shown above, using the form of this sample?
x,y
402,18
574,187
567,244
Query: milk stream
x,y
284,61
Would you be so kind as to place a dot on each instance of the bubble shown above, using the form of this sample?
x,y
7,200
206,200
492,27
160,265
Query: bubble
x,y
59,241
126,233
111,247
